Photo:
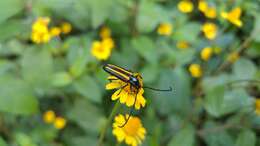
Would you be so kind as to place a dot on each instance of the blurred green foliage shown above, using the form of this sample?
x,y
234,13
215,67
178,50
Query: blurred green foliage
x,y
63,76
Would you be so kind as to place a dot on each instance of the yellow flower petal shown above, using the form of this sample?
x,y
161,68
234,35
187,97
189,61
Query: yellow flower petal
x,y
206,53
133,133
195,70
164,29
203,6
113,85
210,30
130,100
60,123
123,97
49,116
185,6
115,96
233,16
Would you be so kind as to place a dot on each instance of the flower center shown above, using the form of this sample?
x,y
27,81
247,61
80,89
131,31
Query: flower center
x,y
132,127
100,49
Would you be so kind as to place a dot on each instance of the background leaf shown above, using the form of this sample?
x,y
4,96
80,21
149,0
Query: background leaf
x,y
16,96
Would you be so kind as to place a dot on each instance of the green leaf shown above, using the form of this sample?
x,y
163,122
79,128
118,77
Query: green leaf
x,y
183,57
86,115
61,79
11,28
211,82
244,69
214,100
83,140
130,56
217,138
256,29
97,16
5,66
191,28
185,137
16,96
246,138
2,142
9,8
78,66
37,68
78,55
235,100
146,48
219,102
23,139
150,73
150,15
88,87
179,99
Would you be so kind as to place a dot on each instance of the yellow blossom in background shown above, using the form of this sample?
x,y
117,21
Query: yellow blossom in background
x,y
210,12
105,32
182,45
195,70
108,43
185,6
55,31
133,133
257,106
202,6
66,27
210,30
49,116
164,29
233,57
99,51
233,16
126,95
59,123
206,53
40,31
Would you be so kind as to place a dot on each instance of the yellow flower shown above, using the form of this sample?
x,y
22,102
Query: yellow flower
x,y
257,106
233,57
203,6
209,30
233,16
127,94
108,43
182,45
66,27
55,31
164,29
185,6
206,53
105,32
49,116
99,51
60,123
40,32
133,133
210,12
195,70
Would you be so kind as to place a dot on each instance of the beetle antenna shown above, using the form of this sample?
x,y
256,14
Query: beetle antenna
x,y
155,89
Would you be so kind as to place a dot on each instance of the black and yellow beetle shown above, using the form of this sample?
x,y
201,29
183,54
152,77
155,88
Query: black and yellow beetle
x,y
131,78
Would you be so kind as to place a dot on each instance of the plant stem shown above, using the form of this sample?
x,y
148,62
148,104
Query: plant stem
x,y
241,49
103,131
